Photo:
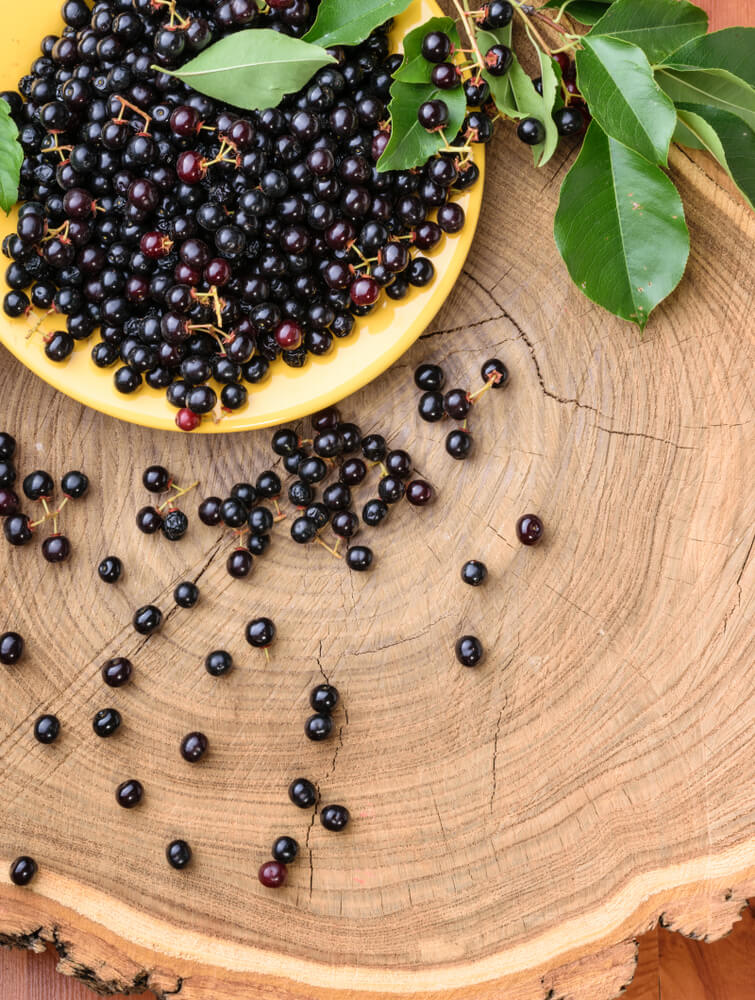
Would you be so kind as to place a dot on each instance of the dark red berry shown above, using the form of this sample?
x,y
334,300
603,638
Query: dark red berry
x,y
529,529
273,874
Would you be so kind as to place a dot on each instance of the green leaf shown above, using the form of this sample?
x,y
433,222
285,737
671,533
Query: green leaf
x,y
415,68
728,138
716,87
254,68
584,11
410,145
11,158
617,82
730,49
347,22
530,104
500,86
659,27
620,228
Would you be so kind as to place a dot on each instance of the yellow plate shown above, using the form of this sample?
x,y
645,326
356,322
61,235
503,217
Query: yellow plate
x,y
287,393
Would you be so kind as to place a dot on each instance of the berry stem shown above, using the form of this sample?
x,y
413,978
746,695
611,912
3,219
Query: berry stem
x,y
143,114
47,509
532,31
279,514
180,493
464,15
326,546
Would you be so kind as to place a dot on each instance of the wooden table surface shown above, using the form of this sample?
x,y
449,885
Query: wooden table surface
x,y
671,967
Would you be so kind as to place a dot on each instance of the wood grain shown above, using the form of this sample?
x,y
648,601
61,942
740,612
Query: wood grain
x,y
514,834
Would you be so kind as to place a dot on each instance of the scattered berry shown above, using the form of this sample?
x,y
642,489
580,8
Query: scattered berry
x,y
359,558
46,729
147,619
178,854
194,747
186,594
106,721
218,662
273,874
335,818
117,671
11,648
129,793
474,572
110,569
529,529
302,793
468,650
318,727
285,850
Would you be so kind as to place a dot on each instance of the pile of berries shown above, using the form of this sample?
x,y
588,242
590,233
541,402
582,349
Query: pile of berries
x,y
165,517
38,487
245,512
455,403
334,447
572,118
204,243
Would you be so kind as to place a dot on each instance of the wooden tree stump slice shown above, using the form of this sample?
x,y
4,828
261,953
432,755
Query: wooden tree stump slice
x,y
515,826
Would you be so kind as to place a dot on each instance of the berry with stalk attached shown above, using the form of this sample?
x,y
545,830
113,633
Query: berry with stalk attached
x,y
495,372
459,444
433,115
260,633
498,60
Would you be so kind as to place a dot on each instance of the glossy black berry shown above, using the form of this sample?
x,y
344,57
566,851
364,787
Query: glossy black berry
x,y
194,747
285,850
218,662
246,493
149,520
302,793
498,59
529,529
303,530
46,729
430,406
7,445
459,444
429,378
374,511
335,818
11,648
147,619
117,671
433,115
16,529
129,793
110,569
569,121
9,502
336,496
239,563
268,485
324,698
374,447
178,854
258,544
359,558
436,46
495,371
38,484
186,594
175,524
457,404
496,14
312,470
23,870
419,493
56,548
74,485
391,489
260,520
474,572
210,511
260,632
285,442
318,727
476,92
318,513
399,463
156,479
106,721
345,524
233,512
531,131
468,650
7,473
